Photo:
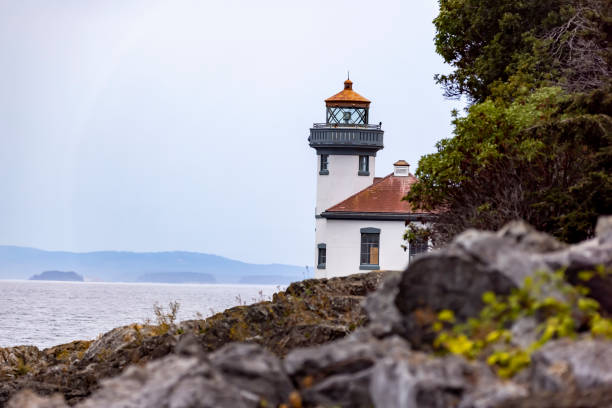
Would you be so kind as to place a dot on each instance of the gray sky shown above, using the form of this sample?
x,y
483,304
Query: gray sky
x,y
183,125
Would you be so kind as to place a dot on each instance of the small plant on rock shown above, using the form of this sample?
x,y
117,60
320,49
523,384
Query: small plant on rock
x,y
22,368
560,308
164,319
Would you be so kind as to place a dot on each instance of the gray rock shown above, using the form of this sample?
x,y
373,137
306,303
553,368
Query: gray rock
x,y
189,346
604,226
567,374
529,239
583,364
252,368
475,262
356,352
173,381
525,332
28,399
341,390
383,316
238,375
340,372
447,279
420,380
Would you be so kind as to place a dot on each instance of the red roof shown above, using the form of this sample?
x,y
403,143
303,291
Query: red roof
x,y
384,196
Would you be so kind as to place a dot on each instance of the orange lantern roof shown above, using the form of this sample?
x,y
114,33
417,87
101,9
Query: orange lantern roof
x,y
347,98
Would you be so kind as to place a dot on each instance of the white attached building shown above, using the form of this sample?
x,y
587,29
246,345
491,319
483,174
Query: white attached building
x,y
360,219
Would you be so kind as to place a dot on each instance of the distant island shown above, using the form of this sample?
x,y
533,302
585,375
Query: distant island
x,y
123,266
177,277
58,276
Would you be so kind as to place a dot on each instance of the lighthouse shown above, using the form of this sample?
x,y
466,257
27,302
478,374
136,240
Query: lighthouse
x,y
359,218
346,146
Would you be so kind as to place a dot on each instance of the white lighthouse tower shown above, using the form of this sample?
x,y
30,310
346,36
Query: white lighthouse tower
x,y
346,146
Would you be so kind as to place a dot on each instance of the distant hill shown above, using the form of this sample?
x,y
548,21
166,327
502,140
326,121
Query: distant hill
x,y
117,266
58,276
177,277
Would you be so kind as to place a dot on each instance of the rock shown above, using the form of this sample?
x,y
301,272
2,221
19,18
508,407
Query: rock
x,y
475,262
307,313
18,361
117,339
418,380
582,364
566,374
189,346
525,332
447,279
383,316
604,226
529,239
238,375
314,311
251,368
339,373
28,399
383,364
173,381
363,371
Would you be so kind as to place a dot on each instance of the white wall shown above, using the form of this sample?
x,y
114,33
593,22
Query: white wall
x,y
342,180
343,240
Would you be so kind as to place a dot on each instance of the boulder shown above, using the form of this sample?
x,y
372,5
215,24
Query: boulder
x,y
339,373
173,381
252,368
237,375
568,373
567,363
476,262
28,399
412,380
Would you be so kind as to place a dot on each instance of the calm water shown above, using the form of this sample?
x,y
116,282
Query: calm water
x,y
45,314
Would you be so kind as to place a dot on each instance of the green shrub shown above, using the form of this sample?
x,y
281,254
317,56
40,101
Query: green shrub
x,y
562,309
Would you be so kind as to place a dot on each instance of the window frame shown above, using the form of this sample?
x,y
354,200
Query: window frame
x,y
417,248
324,170
365,170
321,249
366,235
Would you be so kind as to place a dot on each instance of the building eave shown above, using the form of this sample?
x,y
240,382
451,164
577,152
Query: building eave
x,y
376,216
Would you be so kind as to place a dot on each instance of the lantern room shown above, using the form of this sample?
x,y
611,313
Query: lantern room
x,y
347,107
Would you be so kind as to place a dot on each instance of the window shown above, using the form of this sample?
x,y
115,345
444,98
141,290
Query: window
x,y
347,116
417,247
364,166
322,256
324,163
370,257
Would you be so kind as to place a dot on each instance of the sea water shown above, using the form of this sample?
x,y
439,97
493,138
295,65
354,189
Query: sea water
x,y
46,314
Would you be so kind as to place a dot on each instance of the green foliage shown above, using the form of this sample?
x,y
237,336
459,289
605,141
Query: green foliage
x,y
536,143
561,309
414,233
510,47
545,157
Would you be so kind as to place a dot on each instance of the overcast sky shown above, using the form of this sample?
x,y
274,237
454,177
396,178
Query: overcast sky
x,y
182,125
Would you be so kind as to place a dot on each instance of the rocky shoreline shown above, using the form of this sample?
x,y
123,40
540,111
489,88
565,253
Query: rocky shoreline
x,y
320,344
307,313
